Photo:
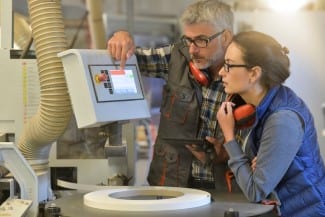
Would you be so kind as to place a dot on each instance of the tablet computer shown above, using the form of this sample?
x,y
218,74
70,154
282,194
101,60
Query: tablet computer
x,y
201,144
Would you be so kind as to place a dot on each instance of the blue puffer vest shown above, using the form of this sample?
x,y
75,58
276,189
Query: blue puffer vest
x,y
302,189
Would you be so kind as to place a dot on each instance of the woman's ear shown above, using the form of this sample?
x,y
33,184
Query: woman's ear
x,y
256,73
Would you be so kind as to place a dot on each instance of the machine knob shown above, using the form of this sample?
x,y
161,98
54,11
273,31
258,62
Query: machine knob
x,y
231,213
53,211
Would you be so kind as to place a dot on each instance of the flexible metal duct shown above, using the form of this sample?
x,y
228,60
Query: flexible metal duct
x,y
55,109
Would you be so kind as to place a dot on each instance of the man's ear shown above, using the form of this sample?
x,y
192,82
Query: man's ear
x,y
226,38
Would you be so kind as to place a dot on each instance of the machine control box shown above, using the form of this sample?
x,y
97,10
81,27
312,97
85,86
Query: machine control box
x,y
100,91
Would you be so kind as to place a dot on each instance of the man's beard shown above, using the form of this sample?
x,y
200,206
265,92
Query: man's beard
x,y
200,62
204,63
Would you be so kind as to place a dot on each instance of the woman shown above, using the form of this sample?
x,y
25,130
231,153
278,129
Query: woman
x,y
282,143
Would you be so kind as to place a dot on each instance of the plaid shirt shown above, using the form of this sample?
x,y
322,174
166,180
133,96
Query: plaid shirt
x,y
154,63
213,96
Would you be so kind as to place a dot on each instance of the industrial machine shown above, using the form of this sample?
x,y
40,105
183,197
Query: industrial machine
x,y
86,146
104,98
82,107
36,111
17,82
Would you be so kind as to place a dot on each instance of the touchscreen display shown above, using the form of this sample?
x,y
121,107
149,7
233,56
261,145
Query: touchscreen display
x,y
113,84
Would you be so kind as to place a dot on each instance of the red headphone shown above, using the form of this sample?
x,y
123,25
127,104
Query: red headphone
x,y
199,76
244,114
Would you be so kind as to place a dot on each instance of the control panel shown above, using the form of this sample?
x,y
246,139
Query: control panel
x,y
100,91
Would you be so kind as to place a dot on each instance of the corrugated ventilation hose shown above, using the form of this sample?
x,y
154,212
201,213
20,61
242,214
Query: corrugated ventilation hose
x,y
55,109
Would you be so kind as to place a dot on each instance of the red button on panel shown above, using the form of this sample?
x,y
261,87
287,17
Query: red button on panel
x,y
100,77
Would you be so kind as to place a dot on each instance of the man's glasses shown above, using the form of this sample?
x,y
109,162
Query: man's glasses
x,y
227,66
200,42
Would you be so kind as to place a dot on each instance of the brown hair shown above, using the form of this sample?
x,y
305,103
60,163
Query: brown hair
x,y
264,51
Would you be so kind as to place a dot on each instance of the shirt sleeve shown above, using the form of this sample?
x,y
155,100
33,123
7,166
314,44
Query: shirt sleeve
x,y
280,141
153,62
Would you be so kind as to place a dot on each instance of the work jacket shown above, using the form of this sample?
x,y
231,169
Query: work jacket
x,y
302,189
171,164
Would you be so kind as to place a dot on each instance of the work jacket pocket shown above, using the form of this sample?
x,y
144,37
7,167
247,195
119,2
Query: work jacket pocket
x,y
164,167
165,153
171,157
178,104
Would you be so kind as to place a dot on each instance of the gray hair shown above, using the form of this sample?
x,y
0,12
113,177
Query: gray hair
x,y
211,12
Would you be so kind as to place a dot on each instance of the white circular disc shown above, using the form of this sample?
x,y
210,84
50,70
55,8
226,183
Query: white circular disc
x,y
163,198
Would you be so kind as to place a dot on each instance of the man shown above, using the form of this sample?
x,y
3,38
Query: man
x,y
191,97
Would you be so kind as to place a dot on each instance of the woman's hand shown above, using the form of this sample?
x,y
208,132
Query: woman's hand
x,y
226,120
